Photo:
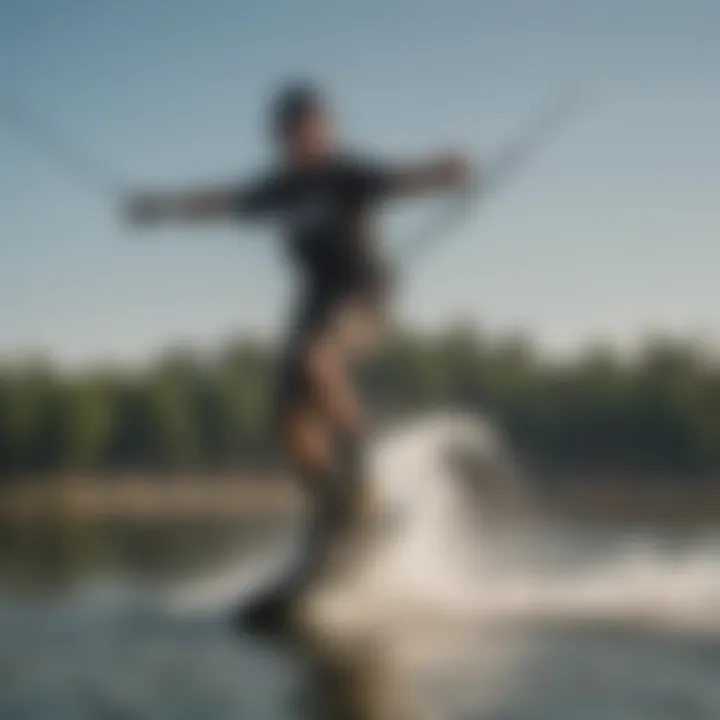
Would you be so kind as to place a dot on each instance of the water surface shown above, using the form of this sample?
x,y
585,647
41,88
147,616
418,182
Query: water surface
x,y
618,625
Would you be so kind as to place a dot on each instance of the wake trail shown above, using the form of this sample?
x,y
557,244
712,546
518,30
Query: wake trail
x,y
460,542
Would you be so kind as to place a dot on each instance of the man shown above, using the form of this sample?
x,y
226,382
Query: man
x,y
324,199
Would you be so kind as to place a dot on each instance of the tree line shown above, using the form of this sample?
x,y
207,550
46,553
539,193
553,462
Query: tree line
x,y
657,413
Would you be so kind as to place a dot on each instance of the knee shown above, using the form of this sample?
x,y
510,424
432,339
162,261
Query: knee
x,y
303,442
316,363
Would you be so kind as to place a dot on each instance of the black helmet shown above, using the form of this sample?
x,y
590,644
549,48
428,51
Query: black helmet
x,y
292,103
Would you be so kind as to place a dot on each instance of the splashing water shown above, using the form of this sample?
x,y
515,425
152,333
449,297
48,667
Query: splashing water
x,y
428,480
450,537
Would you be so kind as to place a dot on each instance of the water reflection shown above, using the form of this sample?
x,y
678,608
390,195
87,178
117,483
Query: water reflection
x,y
56,552
575,671
579,647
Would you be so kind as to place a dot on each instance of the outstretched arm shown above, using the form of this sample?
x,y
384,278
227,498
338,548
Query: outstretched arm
x,y
379,180
210,203
187,206
445,172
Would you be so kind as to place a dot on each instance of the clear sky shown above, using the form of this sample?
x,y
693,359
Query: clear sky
x,y
612,232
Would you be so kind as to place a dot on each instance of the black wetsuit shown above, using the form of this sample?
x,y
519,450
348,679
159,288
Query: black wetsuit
x,y
326,215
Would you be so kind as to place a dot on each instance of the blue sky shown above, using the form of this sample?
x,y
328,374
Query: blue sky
x,y
612,232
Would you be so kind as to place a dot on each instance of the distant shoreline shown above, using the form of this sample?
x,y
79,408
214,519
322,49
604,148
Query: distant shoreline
x,y
150,498
245,496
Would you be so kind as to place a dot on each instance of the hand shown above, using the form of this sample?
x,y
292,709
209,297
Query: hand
x,y
142,208
455,169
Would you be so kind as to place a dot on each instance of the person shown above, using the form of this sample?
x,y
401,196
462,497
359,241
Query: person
x,y
324,198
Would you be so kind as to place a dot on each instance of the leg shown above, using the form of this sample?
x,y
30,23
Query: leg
x,y
334,399
325,367
309,449
308,452
352,331
305,440
330,332
318,405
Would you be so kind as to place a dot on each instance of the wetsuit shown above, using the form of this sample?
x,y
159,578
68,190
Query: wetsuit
x,y
325,212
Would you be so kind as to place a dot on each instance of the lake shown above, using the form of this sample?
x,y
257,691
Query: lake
x,y
606,623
